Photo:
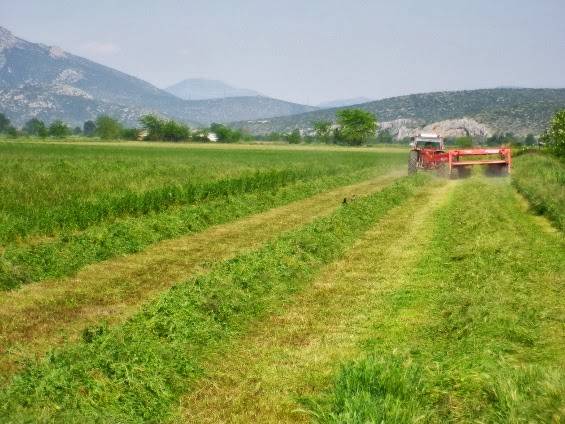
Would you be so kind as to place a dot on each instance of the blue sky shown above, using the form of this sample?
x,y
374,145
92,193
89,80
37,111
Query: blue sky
x,y
309,51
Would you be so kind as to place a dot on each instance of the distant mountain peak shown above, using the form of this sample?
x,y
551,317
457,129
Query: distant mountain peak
x,y
205,89
344,102
7,39
44,82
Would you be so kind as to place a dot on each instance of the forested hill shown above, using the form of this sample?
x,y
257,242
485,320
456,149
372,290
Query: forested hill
x,y
518,110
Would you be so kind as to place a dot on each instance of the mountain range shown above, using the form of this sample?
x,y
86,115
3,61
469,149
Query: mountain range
x,y
45,82
453,113
40,81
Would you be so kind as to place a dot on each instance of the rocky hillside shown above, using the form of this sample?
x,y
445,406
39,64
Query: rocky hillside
x,y
476,112
45,82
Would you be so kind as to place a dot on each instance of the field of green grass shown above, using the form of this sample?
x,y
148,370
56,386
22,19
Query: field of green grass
x,y
63,206
485,341
233,284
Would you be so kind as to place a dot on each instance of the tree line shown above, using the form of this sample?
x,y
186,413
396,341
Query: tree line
x,y
351,127
152,128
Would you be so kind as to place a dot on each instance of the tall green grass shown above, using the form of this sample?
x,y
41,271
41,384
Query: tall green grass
x,y
486,336
64,255
114,201
46,189
135,372
541,180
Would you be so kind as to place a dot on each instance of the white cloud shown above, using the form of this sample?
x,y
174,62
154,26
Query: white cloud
x,y
100,48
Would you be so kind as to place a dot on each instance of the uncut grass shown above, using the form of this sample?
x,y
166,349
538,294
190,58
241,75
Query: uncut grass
x,y
541,180
65,254
135,371
47,189
477,336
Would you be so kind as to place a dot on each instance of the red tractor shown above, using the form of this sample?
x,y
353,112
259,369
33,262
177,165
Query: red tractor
x,y
428,154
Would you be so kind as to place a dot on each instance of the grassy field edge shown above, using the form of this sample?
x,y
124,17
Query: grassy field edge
x,y
486,333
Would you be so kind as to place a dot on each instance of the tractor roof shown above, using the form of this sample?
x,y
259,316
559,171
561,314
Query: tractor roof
x,y
428,135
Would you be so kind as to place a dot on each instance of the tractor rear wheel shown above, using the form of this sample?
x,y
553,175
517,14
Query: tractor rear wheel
x,y
442,170
413,162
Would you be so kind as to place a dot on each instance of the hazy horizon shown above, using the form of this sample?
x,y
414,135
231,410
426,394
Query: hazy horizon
x,y
310,52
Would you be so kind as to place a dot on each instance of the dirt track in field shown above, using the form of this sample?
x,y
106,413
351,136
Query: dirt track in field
x,y
43,315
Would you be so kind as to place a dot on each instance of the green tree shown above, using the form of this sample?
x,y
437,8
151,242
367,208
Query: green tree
x,y
200,134
130,134
43,132
174,131
500,139
159,129
385,137
356,126
226,134
34,126
58,129
553,138
294,137
530,140
108,128
153,125
274,136
324,130
465,142
89,129
4,123
11,131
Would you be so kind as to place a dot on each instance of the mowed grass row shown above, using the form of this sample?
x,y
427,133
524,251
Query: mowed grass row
x,y
477,335
135,372
208,191
541,180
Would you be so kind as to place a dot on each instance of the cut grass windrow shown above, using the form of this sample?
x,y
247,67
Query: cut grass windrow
x,y
56,311
291,354
485,340
134,372
23,264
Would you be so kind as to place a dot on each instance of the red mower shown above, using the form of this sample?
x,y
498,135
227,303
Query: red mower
x,y
428,154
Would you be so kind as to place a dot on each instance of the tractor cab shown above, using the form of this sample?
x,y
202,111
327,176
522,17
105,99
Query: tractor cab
x,y
428,142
